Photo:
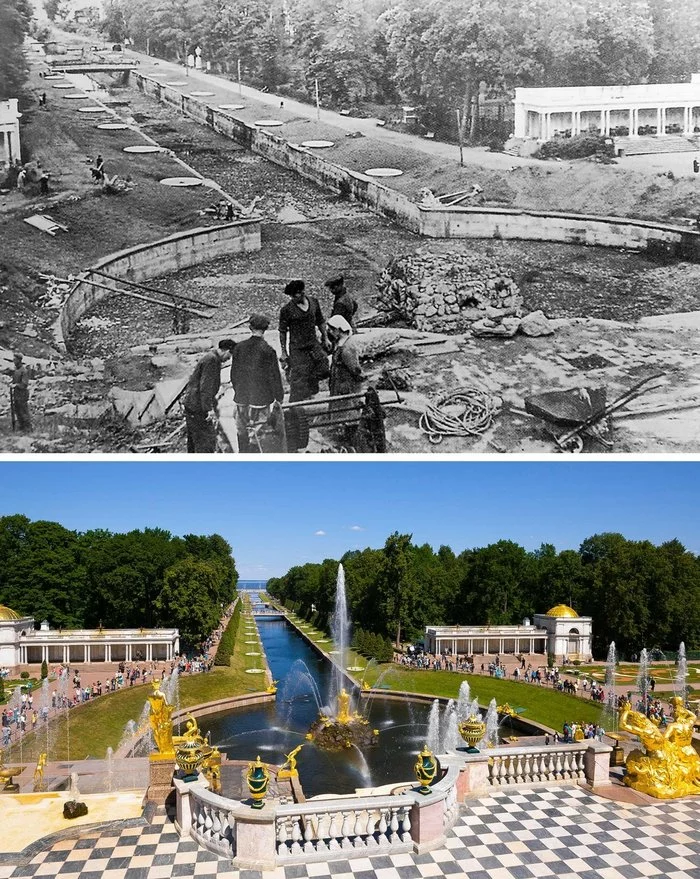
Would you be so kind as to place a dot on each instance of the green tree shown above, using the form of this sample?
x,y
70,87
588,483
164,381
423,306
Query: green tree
x,y
188,599
397,585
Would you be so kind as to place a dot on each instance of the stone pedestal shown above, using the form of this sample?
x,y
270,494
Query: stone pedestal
x,y
160,781
255,838
597,760
473,777
428,823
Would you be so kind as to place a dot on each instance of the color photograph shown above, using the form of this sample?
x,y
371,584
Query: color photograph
x,y
350,669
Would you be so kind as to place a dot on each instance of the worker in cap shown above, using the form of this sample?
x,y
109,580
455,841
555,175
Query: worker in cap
x,y
19,394
346,375
257,384
343,302
301,322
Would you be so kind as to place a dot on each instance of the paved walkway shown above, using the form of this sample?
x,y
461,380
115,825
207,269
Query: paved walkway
x,y
562,832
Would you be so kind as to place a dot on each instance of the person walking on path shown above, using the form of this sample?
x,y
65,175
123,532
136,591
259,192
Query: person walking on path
x,y
257,384
19,395
343,303
301,350
200,399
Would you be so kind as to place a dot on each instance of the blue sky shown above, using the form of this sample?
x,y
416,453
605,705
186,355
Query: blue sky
x,y
279,514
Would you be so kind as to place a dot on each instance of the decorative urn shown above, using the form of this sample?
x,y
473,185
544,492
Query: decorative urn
x,y
426,768
472,731
258,779
189,756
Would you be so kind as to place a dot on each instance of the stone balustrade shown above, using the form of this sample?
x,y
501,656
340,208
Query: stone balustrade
x,y
363,825
355,826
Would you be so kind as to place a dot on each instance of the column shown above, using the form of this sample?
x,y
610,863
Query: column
x,y
606,129
630,123
659,130
66,656
500,646
602,122
574,130
149,652
532,645
87,654
688,121
127,657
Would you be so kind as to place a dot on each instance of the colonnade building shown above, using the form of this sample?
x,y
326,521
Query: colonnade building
x,y
560,631
21,643
629,110
9,132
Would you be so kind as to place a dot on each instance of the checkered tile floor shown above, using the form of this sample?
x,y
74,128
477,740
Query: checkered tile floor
x,y
565,833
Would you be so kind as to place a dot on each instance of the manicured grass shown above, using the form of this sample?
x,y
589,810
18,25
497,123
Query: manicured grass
x,y
542,704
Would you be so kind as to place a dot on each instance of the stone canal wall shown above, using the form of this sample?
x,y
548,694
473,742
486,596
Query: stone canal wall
x,y
441,221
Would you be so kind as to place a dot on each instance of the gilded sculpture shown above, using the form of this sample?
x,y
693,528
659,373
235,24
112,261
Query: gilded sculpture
x,y
670,768
161,723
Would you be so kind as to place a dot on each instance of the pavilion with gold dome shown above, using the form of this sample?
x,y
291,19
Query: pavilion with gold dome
x,y
560,631
22,644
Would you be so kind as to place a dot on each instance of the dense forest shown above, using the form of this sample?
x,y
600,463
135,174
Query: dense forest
x,y
639,594
15,23
437,55
141,578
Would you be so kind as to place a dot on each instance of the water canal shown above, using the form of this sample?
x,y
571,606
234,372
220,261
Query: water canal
x,y
273,729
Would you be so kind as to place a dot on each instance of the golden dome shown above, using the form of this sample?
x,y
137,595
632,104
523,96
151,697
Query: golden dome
x,y
561,610
7,614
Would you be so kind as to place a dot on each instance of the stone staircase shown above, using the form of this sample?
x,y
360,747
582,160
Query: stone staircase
x,y
643,146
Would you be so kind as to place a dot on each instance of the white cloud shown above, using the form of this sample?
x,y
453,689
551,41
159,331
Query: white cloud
x,y
319,533
356,528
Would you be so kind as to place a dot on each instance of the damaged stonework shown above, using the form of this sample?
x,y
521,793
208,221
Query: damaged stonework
x,y
455,294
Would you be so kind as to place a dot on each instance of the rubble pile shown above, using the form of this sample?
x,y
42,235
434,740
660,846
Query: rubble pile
x,y
454,294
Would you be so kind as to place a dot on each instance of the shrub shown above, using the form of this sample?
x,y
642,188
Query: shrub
x,y
44,670
224,651
578,147
24,675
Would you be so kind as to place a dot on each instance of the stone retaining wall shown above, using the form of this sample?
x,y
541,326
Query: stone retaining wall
x,y
436,222
146,261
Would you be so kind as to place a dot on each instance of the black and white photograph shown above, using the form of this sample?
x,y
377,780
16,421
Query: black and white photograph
x,y
361,227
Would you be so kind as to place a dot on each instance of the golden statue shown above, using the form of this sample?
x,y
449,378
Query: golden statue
x,y
289,767
191,733
160,721
671,766
211,768
273,687
7,773
39,773
343,707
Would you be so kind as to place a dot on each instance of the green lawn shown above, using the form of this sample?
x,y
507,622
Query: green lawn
x,y
100,724
541,704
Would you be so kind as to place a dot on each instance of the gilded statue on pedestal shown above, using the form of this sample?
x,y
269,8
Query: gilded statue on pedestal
x,y
160,720
670,767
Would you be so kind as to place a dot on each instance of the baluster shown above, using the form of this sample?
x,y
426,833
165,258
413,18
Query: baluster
x,y
308,834
394,826
568,765
527,767
557,765
296,835
405,824
359,829
581,765
503,771
519,765
323,832
371,831
216,825
382,828
333,833
348,827
282,837
208,822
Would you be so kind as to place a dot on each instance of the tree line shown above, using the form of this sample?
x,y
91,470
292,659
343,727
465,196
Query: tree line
x,y
638,594
117,580
438,55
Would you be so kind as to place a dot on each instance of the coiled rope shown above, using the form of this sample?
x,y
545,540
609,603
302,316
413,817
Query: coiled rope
x,y
474,416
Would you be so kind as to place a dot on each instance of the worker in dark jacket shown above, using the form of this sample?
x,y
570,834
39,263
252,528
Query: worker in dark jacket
x,y
200,398
300,323
343,303
257,383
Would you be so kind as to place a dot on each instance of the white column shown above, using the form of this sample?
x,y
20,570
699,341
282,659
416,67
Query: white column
x,y
574,130
66,654
606,130
602,121
87,654
149,652
658,121
532,645
687,121
128,653
500,646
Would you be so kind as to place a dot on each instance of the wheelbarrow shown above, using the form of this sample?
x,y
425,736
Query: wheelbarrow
x,y
575,413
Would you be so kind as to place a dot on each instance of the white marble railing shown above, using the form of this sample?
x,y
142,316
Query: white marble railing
x,y
509,766
211,826
369,824
448,784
